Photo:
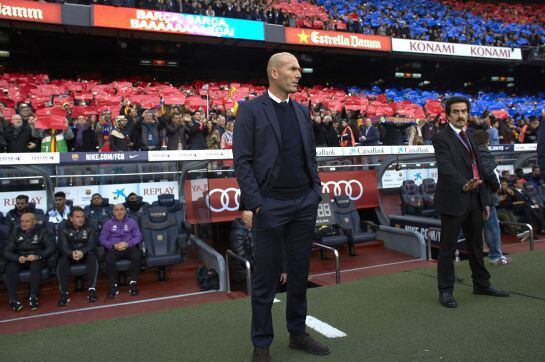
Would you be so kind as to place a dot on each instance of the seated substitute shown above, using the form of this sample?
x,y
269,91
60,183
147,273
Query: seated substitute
x,y
78,244
121,237
13,217
29,247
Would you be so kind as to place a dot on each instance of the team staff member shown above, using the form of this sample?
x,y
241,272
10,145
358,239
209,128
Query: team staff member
x,y
460,202
279,181
77,243
121,237
29,247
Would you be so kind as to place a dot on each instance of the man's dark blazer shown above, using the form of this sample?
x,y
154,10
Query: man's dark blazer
x,y
373,136
257,145
454,171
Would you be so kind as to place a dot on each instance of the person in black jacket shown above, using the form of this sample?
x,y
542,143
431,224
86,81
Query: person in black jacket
x,y
492,185
119,138
320,132
98,212
77,243
28,248
242,244
332,135
19,137
86,139
13,217
176,133
197,139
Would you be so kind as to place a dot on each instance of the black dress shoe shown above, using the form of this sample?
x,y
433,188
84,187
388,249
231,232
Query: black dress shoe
x,y
308,344
447,300
491,291
261,354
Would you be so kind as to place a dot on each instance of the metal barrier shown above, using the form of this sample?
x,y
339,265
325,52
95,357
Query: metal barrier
x,y
212,259
337,260
230,253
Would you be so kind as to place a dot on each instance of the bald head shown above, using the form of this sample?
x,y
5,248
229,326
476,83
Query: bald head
x,y
28,221
284,73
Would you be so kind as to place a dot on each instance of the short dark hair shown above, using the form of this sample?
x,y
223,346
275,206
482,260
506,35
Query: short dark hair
x,y
74,209
60,194
456,99
95,194
534,167
482,137
22,197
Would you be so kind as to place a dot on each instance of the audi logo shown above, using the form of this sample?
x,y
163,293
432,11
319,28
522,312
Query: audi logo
x,y
353,188
229,196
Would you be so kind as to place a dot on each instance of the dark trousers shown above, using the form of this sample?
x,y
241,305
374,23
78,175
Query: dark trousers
x,y
289,223
471,223
12,277
134,254
63,270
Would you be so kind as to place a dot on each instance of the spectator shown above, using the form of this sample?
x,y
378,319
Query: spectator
x,y
220,124
530,135
370,135
119,139
519,172
86,139
393,133
104,128
13,217
525,208
19,136
150,129
212,136
506,197
29,247
77,244
493,132
490,189
415,133
319,130
98,211
332,133
227,137
121,238
347,135
176,133
196,139
54,140
25,112
534,177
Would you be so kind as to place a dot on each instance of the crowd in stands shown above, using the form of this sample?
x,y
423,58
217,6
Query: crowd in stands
x,y
42,115
69,235
469,22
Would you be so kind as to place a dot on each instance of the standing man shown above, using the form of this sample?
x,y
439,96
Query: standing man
x,y
276,168
460,202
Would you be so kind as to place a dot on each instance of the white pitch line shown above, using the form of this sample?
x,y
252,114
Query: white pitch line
x,y
365,267
323,328
108,306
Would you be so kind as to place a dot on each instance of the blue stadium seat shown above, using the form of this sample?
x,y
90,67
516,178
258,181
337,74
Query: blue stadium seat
x,y
427,190
174,206
161,240
348,218
412,201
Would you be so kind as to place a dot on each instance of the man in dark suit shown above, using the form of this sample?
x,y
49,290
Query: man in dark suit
x,y
276,169
460,202
370,134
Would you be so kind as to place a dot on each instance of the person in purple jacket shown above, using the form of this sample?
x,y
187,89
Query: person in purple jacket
x,y
120,236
